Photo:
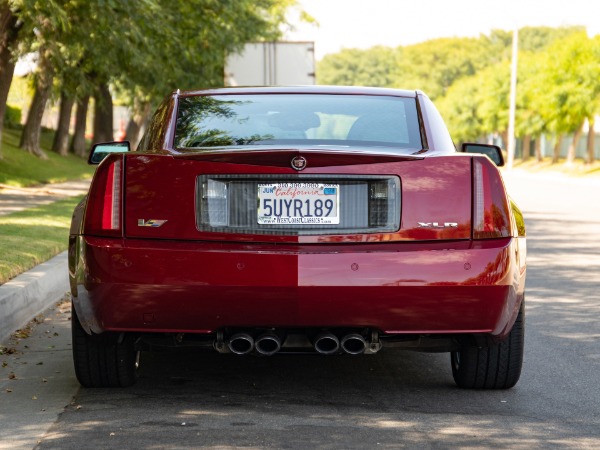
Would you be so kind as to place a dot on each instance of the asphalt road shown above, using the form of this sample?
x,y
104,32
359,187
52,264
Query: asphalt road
x,y
390,400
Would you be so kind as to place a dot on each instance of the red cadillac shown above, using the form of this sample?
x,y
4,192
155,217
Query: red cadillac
x,y
302,219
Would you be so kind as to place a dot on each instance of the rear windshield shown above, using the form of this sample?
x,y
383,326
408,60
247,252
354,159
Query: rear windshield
x,y
297,119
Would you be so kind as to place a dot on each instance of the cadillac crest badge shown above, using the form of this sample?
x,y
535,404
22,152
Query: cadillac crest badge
x,y
298,163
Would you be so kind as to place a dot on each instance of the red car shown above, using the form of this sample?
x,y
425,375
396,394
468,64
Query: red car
x,y
308,219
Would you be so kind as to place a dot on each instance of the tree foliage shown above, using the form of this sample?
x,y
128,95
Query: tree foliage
x,y
433,66
141,48
558,80
354,67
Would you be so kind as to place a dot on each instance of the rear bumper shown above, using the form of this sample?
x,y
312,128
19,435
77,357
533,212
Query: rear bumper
x,y
197,287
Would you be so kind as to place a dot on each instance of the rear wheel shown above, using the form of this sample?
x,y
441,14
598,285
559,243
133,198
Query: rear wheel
x,y
104,360
494,367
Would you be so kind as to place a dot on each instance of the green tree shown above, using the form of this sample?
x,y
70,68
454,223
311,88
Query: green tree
x,y
190,45
9,31
529,123
353,67
477,105
433,66
459,107
143,48
570,78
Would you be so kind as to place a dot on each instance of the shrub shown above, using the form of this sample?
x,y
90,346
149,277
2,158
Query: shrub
x,y
12,117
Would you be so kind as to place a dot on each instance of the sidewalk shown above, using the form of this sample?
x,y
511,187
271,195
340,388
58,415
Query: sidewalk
x,y
37,379
14,199
34,291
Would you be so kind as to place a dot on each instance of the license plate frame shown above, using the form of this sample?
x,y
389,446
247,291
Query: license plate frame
x,y
298,203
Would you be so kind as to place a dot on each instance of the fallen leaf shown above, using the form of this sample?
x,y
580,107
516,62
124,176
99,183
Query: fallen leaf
x,y
44,380
12,376
34,398
4,364
55,334
23,333
9,390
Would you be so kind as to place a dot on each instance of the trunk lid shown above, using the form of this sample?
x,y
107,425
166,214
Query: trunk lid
x,y
425,198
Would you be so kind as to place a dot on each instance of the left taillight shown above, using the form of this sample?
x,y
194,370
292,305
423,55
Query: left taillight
x,y
491,218
103,216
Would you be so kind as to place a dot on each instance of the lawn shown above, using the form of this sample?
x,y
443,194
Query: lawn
x,y
32,236
19,168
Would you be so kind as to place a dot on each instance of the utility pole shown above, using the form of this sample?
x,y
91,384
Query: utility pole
x,y
513,100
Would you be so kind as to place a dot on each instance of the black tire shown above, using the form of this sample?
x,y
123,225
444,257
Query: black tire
x,y
494,367
103,360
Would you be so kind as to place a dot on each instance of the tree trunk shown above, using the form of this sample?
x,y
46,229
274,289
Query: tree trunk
x,y
591,156
504,135
556,152
103,115
7,70
537,149
139,116
526,147
573,147
9,30
61,137
78,143
30,139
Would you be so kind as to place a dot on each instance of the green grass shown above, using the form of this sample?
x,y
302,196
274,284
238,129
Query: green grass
x,y
19,168
32,236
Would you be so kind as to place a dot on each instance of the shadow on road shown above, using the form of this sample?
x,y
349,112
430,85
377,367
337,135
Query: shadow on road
x,y
391,400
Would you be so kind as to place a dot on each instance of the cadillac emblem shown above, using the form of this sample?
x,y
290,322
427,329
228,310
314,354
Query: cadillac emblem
x,y
298,163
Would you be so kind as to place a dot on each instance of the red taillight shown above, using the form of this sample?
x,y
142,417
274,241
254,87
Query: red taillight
x,y
103,212
490,208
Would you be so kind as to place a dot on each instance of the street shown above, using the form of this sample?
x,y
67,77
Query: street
x,y
390,400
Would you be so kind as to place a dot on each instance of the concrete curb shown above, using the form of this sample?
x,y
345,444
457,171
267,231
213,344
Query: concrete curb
x,y
31,293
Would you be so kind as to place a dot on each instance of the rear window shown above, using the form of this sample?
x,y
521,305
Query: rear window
x,y
297,119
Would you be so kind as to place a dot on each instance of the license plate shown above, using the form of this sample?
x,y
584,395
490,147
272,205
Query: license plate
x,y
298,204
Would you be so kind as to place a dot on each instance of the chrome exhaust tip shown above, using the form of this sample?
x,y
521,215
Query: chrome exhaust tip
x,y
241,344
267,344
354,344
327,344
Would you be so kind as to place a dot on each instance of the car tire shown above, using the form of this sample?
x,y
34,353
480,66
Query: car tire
x,y
494,367
102,360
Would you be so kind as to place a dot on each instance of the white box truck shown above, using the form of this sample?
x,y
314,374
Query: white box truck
x,y
272,64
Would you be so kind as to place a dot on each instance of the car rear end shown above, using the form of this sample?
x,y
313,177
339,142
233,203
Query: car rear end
x,y
322,248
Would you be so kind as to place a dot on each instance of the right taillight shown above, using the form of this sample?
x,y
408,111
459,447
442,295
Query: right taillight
x,y
490,208
103,216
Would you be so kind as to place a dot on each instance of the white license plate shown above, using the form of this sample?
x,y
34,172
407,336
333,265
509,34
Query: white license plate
x,y
298,204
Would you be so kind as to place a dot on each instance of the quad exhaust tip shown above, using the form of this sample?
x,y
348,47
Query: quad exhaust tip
x,y
267,344
241,344
327,344
354,344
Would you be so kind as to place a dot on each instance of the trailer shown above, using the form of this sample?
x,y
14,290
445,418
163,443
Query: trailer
x,y
272,64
